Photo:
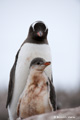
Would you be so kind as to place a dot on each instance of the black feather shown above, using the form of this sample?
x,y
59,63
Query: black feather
x,y
11,81
52,95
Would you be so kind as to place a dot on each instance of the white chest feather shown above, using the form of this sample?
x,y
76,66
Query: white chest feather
x,y
35,97
27,53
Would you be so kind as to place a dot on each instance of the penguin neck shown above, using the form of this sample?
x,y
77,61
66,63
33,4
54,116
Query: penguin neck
x,y
36,76
36,41
35,72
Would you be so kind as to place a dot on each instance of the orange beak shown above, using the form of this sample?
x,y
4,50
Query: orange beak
x,y
47,63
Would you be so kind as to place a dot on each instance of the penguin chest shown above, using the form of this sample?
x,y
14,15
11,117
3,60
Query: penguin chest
x,y
34,101
27,53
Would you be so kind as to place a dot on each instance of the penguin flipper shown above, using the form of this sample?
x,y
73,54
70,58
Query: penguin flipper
x,y
11,81
52,95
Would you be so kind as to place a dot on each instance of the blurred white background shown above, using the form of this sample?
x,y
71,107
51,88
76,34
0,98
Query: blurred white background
x,y
63,20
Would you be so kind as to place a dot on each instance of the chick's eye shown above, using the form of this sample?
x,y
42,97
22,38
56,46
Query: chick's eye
x,y
38,63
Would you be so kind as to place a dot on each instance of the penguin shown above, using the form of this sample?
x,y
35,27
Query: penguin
x,y
38,96
35,45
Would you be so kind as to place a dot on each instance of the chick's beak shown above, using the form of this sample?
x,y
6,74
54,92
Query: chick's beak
x,y
40,33
47,63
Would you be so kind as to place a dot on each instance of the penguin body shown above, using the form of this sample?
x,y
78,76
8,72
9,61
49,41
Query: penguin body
x,y
22,68
36,45
35,98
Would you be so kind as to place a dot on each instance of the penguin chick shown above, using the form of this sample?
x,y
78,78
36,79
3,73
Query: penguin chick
x,y
36,98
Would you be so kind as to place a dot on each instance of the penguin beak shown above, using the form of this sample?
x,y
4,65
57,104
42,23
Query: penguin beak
x,y
40,33
47,63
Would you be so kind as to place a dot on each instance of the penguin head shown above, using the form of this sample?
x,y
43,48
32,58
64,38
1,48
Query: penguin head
x,y
38,30
39,64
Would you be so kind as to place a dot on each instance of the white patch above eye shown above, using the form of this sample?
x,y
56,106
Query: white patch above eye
x,y
33,24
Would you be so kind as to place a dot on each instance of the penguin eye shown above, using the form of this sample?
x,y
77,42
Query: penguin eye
x,y
38,63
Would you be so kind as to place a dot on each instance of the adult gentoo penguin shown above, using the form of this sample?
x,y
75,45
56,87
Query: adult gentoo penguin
x,y
38,95
36,45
